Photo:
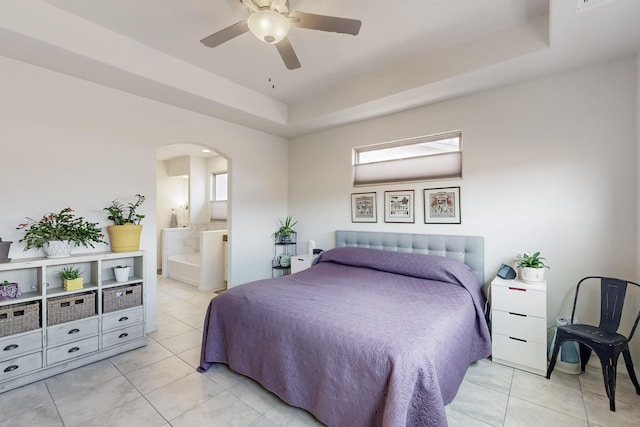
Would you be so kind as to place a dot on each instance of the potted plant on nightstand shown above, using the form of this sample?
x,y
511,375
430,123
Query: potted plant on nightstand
x,y
531,267
126,229
56,233
71,278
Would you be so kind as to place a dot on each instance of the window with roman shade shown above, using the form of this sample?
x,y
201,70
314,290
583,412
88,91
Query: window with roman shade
x,y
415,159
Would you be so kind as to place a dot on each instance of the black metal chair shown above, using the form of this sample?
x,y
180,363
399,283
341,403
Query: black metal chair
x,y
603,339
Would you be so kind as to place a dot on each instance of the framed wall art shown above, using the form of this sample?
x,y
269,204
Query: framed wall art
x,y
399,206
442,205
364,207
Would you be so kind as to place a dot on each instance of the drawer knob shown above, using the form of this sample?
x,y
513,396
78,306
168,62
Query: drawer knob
x,y
73,350
73,331
10,347
124,335
512,288
122,319
11,368
517,339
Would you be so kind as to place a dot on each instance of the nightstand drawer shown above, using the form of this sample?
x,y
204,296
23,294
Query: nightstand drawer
x,y
525,327
519,300
524,353
301,262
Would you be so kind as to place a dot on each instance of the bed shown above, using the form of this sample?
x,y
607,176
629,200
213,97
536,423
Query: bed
x,y
378,332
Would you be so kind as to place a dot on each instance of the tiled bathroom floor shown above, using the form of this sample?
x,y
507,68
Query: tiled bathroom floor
x,y
157,385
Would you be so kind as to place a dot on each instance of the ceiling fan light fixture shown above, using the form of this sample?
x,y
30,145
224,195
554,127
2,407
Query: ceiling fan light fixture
x,y
268,26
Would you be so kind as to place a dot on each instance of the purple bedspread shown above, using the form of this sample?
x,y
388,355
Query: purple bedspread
x,y
362,338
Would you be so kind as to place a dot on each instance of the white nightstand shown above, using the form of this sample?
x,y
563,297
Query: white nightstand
x,y
519,324
301,262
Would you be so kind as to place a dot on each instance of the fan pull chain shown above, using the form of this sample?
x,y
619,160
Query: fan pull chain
x,y
270,66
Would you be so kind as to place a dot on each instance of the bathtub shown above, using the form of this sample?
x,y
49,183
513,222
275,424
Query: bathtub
x,y
185,268
188,266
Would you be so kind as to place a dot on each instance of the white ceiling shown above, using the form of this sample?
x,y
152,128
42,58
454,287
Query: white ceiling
x,y
417,26
408,53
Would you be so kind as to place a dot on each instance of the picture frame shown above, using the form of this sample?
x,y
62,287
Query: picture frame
x,y
364,207
442,205
399,206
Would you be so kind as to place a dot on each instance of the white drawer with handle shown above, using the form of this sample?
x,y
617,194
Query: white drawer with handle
x,y
20,365
522,326
518,299
120,336
15,345
122,318
71,350
71,331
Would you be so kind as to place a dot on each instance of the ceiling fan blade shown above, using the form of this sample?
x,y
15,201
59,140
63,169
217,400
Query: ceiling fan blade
x,y
331,24
287,53
226,34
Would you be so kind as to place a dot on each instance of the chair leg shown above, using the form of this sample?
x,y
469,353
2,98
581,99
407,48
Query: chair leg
x,y
585,355
632,374
554,356
609,376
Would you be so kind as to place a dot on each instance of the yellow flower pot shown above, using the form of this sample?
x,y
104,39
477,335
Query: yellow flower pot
x,y
124,238
73,284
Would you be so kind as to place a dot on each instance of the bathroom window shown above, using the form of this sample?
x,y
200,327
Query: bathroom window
x,y
219,187
415,159
219,195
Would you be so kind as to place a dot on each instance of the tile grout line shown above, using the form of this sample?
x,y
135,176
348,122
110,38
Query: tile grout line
x,y
140,392
55,405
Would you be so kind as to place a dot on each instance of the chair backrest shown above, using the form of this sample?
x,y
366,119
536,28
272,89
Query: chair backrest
x,y
612,294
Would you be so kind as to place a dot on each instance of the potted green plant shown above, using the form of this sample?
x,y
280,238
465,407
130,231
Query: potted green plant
x,y
125,232
71,278
4,250
55,233
531,267
286,234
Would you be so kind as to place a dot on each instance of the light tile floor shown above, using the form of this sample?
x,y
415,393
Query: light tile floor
x,y
157,385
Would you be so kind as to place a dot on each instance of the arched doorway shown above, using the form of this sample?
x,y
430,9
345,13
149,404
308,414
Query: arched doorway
x,y
191,186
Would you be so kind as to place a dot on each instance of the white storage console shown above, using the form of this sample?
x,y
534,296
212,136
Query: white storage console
x,y
46,330
519,324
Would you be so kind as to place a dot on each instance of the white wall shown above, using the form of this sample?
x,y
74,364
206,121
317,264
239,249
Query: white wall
x,y
198,197
68,142
171,192
548,165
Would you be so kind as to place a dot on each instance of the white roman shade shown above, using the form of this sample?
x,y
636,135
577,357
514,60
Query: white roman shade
x,y
416,159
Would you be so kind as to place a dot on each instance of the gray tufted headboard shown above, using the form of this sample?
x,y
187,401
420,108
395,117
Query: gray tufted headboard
x,y
466,249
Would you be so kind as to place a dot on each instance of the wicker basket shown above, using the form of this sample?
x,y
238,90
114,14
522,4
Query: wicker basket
x,y
122,297
18,318
72,307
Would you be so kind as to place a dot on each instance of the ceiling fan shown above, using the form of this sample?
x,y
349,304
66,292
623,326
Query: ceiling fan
x,y
270,21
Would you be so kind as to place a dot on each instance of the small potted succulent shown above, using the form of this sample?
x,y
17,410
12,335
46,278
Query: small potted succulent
x,y
125,232
72,280
56,233
121,273
531,267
